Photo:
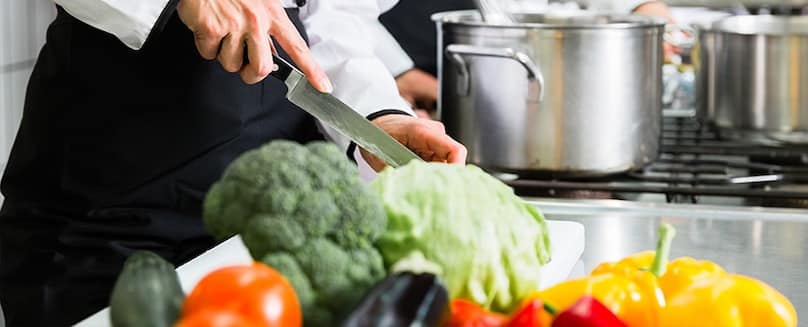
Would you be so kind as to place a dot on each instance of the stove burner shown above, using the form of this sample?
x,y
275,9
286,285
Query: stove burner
x,y
695,164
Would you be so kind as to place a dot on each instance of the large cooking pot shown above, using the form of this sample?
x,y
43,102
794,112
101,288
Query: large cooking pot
x,y
761,78
704,57
571,95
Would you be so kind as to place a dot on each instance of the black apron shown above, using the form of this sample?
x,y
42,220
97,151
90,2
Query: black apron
x,y
410,23
115,153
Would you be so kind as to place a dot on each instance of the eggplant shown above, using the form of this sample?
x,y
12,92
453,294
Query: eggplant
x,y
403,299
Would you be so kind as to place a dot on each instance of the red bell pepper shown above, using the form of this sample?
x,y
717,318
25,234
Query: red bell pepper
x,y
534,313
587,312
468,314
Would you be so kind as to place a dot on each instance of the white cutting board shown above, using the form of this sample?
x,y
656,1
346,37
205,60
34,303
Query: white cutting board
x,y
566,240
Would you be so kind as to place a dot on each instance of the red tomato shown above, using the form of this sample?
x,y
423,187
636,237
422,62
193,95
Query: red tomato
x,y
211,317
256,292
468,314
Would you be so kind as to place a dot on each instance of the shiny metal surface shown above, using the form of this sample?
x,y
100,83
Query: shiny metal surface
x,y
704,65
341,117
736,3
768,244
600,77
761,78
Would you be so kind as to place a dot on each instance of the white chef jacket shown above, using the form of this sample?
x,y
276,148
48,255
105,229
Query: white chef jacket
x,y
345,37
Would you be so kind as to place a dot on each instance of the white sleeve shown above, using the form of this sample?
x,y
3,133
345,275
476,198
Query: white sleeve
x,y
131,21
386,46
390,52
341,39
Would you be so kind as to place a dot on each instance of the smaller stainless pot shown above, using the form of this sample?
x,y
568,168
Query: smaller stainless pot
x,y
761,78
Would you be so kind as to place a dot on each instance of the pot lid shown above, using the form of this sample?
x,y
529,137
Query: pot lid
x,y
561,20
763,25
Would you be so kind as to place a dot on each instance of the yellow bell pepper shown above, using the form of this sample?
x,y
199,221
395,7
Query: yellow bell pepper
x,y
631,298
701,293
628,287
643,290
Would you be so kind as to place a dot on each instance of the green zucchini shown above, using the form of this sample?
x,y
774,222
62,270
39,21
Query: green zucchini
x,y
147,293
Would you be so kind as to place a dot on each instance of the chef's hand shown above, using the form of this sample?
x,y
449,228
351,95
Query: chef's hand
x,y
222,28
419,88
426,138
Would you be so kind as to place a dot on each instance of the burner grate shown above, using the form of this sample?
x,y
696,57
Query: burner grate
x,y
694,163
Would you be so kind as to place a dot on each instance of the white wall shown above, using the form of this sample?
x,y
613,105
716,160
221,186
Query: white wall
x,y
22,34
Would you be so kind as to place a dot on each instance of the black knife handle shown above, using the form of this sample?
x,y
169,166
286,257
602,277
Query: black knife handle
x,y
284,68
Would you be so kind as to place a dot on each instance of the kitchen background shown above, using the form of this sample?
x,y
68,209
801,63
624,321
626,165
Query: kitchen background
x,y
22,34
23,24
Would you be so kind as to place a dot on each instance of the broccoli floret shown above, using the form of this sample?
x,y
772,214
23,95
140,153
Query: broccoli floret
x,y
303,211
288,267
318,213
363,221
264,234
320,258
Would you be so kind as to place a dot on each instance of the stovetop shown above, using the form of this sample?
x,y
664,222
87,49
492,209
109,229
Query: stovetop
x,y
695,166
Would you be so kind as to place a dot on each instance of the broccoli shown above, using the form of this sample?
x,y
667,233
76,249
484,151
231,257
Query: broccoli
x,y
303,211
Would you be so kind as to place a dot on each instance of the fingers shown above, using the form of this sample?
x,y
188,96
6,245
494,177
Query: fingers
x,y
445,149
290,40
231,54
372,161
429,140
426,138
259,52
207,44
222,30
458,154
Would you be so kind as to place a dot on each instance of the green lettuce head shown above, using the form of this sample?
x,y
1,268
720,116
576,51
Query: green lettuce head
x,y
488,243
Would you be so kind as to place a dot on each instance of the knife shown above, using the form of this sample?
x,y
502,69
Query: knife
x,y
341,117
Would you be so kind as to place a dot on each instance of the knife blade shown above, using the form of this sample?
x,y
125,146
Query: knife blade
x,y
341,117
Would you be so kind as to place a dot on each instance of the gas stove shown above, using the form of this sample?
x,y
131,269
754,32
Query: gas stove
x,y
695,166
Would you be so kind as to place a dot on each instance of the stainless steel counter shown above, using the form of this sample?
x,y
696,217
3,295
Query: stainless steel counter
x,y
768,244
733,3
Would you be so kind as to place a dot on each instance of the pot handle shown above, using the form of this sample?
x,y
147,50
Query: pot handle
x,y
457,51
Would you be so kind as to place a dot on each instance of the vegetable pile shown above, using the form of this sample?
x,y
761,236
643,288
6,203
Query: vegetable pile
x,y
148,293
460,248
645,290
489,243
303,211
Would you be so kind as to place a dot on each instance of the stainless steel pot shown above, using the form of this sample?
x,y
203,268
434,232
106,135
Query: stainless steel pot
x,y
572,95
761,78
704,55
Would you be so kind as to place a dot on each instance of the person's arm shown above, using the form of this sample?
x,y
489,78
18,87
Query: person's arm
x,y
386,47
654,8
130,21
417,87
341,39
225,30
646,7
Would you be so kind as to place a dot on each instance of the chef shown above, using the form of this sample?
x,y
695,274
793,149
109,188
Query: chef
x,y
410,23
135,108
